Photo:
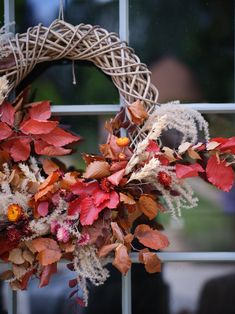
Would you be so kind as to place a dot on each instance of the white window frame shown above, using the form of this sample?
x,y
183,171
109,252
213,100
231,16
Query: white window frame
x,y
101,109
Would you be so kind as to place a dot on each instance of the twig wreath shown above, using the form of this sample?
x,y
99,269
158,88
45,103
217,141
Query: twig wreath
x,y
47,213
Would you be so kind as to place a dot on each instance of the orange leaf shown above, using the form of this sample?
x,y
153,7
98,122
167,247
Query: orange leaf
x,y
106,249
49,251
137,112
150,260
117,232
148,206
151,238
43,192
126,199
51,179
122,260
97,170
49,166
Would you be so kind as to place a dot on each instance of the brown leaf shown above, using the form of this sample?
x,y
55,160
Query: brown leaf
x,y
148,206
6,275
18,271
126,199
151,238
91,158
117,232
169,153
122,260
49,251
68,247
16,256
106,249
51,179
97,170
150,260
30,246
28,256
137,112
128,239
46,274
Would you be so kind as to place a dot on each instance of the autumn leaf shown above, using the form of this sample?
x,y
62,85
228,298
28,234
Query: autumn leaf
x,y
49,251
46,274
20,150
49,166
7,113
88,211
51,179
28,256
106,249
219,174
188,171
151,238
184,147
5,131
97,170
42,148
137,112
126,199
150,260
193,154
40,110
122,260
59,137
117,232
228,145
42,209
148,206
116,177
119,165
16,257
35,127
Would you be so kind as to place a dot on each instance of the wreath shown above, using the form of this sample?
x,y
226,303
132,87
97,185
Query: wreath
x,y
48,213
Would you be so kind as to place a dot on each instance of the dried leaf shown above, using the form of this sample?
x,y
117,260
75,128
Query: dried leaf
x,y
97,170
122,260
18,271
148,206
5,131
151,238
106,249
6,275
40,110
51,179
219,174
49,251
126,199
169,153
188,171
184,147
116,177
58,137
20,149
49,166
137,112
28,256
43,148
7,113
36,127
117,232
212,145
150,260
193,154
46,274
16,256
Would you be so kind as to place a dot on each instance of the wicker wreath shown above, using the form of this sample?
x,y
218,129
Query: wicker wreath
x,y
47,213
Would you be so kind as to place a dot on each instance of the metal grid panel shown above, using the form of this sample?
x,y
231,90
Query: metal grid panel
x,y
9,17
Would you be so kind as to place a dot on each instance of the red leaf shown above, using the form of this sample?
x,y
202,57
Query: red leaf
x,y
59,137
152,147
100,197
82,188
188,171
38,127
80,302
229,145
40,110
74,207
73,283
116,177
116,166
7,113
42,148
5,131
46,274
49,251
20,149
219,174
150,260
88,211
113,200
42,208
151,238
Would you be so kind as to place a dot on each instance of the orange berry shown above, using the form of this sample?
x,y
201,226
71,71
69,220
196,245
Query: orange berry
x,y
14,212
122,141
122,156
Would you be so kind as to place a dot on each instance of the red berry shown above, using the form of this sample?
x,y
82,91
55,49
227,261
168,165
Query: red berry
x,y
164,178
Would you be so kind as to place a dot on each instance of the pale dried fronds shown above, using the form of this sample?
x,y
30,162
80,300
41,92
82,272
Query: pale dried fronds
x,y
4,86
187,121
145,172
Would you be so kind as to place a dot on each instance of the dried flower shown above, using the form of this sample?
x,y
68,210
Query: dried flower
x,y
164,178
14,212
62,234
13,235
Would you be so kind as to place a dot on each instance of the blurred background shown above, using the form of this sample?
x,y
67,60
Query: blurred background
x,y
189,47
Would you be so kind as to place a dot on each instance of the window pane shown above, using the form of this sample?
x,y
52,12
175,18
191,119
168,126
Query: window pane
x,y
188,45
